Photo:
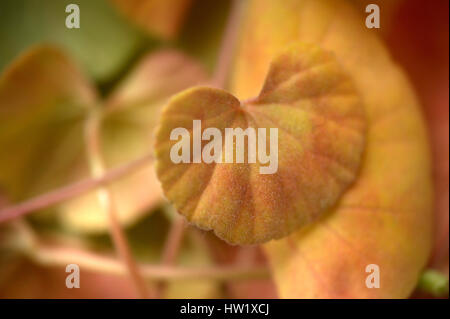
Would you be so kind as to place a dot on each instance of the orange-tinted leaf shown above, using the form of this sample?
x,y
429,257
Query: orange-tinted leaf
x,y
418,38
160,17
321,125
385,217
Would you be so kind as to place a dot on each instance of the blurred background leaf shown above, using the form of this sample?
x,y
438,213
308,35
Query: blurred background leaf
x,y
379,218
162,18
41,130
103,44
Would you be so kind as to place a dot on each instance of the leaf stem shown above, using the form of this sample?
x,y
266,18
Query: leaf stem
x,y
173,241
228,44
106,200
171,248
61,255
73,190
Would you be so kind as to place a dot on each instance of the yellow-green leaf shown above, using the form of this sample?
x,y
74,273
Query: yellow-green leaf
x,y
320,123
103,45
385,217
43,101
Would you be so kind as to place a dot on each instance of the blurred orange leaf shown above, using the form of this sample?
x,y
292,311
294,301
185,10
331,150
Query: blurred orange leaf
x,y
418,39
160,17
385,217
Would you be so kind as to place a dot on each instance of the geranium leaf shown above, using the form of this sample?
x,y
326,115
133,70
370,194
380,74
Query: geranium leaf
x,y
385,217
313,103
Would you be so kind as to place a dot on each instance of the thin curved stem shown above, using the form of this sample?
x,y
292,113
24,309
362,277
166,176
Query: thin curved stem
x,y
171,248
73,190
61,255
106,200
228,44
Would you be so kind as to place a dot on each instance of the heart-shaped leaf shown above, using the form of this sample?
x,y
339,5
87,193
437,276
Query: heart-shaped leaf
x,y
315,108
385,217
